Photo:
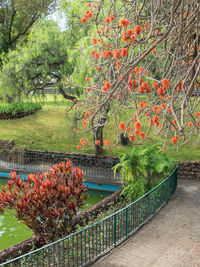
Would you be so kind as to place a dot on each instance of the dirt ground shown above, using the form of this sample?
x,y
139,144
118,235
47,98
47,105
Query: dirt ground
x,y
170,239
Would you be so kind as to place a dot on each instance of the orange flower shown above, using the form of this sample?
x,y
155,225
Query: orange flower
x,y
137,125
122,126
84,19
189,123
142,135
78,147
96,55
169,110
174,122
117,65
165,83
74,129
107,85
174,139
130,32
137,132
137,29
116,53
82,141
94,41
106,142
155,85
84,123
153,51
98,142
132,138
198,114
86,114
124,52
161,91
119,97
124,23
163,105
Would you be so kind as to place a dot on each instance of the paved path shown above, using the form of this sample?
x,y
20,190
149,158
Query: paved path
x,y
170,239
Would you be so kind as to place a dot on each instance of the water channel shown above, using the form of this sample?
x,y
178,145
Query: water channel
x,y
13,231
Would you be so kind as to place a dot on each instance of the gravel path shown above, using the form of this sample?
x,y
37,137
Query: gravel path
x,y
170,239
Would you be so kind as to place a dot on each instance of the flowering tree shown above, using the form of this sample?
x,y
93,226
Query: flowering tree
x,y
146,56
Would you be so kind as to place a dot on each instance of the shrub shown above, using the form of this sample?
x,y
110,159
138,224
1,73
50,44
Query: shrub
x,y
142,168
19,107
47,202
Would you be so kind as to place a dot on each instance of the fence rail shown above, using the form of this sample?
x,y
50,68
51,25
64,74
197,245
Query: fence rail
x,y
33,161
88,244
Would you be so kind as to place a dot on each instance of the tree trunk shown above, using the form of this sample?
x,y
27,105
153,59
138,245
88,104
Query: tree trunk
x,y
98,135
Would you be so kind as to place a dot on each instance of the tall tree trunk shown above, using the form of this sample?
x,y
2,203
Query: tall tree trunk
x,y
98,135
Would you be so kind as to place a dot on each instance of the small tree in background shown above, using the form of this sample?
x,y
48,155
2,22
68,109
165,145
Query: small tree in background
x,y
146,57
142,168
46,203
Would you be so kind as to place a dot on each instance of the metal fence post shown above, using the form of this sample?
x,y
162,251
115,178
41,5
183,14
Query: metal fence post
x,y
127,224
115,229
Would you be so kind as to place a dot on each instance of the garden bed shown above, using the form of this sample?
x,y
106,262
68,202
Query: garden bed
x,y
18,110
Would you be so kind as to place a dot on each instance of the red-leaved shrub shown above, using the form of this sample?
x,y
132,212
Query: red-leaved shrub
x,y
46,202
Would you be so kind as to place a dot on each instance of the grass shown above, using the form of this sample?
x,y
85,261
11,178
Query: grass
x,y
51,129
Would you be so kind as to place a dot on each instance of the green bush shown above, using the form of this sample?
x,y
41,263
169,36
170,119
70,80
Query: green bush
x,y
143,168
19,107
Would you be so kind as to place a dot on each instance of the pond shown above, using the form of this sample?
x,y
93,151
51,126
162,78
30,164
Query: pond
x,y
12,231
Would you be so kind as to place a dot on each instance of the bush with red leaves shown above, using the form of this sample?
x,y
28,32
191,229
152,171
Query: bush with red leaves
x,y
46,202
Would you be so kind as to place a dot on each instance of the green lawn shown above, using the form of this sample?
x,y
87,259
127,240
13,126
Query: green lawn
x,y
51,129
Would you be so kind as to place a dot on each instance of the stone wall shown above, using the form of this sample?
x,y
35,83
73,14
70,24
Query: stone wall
x,y
6,144
189,170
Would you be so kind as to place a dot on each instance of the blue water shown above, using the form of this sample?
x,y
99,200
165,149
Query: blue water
x,y
101,187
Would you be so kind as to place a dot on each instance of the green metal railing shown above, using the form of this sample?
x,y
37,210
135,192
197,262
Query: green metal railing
x,y
36,161
86,245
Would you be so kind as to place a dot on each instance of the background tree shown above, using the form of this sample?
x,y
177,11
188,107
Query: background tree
x,y
45,59
146,55
17,17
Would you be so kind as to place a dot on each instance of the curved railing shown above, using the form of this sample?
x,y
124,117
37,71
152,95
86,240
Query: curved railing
x,y
86,245
40,161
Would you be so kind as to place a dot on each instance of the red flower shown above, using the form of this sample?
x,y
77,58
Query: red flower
x,y
174,139
98,142
84,19
132,138
124,23
130,32
122,126
137,29
198,114
142,135
161,91
124,52
106,142
87,79
163,105
82,141
155,85
189,123
165,83
78,147
137,125
116,53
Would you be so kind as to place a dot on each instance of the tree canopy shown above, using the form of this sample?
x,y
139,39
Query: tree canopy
x,y
17,17
146,55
